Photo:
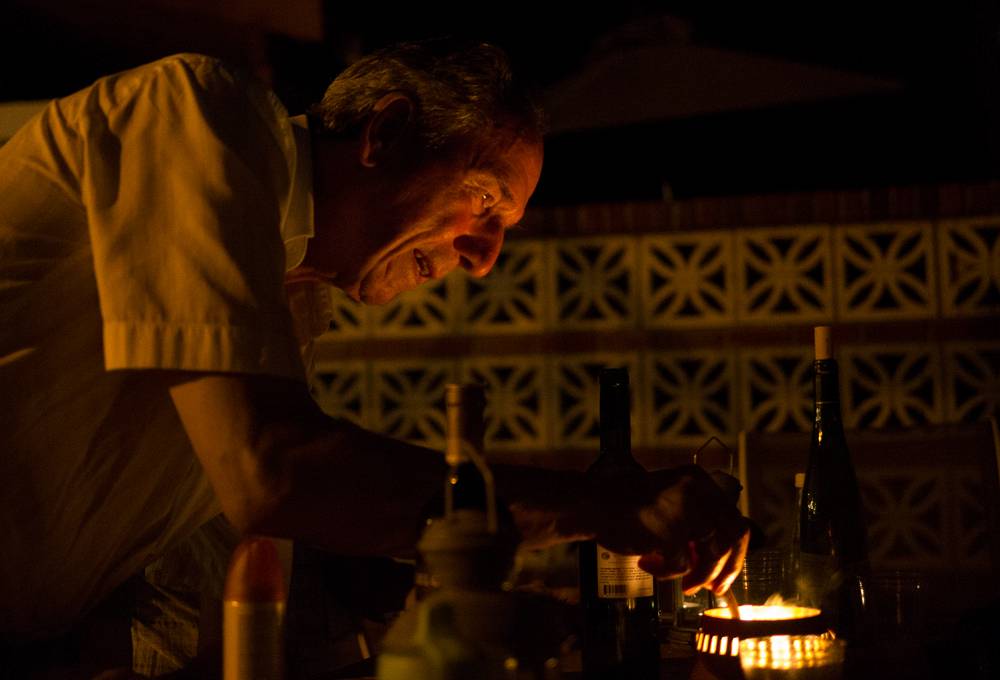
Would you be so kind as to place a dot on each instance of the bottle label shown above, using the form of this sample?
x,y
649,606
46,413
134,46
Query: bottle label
x,y
619,576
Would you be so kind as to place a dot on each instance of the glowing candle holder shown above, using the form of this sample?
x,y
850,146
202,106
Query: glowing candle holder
x,y
717,642
792,657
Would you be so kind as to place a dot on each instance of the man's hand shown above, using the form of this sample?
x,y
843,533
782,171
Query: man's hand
x,y
687,527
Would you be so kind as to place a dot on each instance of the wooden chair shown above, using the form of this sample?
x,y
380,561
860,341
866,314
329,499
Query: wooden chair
x,y
931,498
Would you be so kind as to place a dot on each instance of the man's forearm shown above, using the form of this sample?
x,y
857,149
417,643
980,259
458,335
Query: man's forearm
x,y
355,492
548,505
358,492
280,466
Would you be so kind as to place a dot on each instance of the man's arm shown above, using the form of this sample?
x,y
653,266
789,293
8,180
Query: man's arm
x,y
282,467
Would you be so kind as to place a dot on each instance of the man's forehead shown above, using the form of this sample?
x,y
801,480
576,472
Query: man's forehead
x,y
508,161
500,147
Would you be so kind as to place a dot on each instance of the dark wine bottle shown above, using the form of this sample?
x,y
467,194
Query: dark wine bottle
x,y
833,542
618,598
465,488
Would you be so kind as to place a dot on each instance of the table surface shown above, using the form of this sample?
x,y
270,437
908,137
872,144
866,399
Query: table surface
x,y
902,663
900,659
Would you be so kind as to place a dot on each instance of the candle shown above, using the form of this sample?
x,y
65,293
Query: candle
x,y
792,657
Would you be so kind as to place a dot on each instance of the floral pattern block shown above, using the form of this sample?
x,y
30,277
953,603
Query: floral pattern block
x,y
891,387
907,517
970,266
517,408
885,272
426,310
972,545
577,392
774,506
340,389
690,397
973,381
687,279
776,390
785,274
408,400
594,283
348,317
511,298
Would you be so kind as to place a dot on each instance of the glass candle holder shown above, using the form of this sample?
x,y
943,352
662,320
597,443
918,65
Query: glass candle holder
x,y
792,657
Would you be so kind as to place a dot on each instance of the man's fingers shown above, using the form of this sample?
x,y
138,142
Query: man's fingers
x,y
712,569
660,567
706,563
697,531
733,565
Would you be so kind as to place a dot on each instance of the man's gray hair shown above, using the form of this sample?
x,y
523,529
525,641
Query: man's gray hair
x,y
463,92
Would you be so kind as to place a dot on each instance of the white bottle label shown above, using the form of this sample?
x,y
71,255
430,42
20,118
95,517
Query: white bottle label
x,y
619,576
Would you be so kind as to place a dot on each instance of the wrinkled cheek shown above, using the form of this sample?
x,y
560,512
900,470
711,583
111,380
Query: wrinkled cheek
x,y
454,223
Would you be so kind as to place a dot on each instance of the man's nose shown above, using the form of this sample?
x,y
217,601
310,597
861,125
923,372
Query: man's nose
x,y
478,250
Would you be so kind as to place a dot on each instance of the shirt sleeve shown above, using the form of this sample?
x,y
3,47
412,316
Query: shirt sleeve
x,y
187,173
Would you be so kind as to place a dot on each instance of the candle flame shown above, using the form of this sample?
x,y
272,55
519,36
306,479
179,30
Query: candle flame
x,y
756,612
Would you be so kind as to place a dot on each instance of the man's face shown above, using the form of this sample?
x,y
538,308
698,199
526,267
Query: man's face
x,y
419,226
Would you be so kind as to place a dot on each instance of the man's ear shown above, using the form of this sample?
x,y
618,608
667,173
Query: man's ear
x,y
385,127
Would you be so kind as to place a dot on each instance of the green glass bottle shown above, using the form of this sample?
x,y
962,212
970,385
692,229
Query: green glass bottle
x,y
833,542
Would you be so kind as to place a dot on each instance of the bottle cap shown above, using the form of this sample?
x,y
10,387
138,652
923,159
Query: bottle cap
x,y
614,377
823,342
255,573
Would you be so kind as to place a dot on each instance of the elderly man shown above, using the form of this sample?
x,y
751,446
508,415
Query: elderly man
x,y
153,228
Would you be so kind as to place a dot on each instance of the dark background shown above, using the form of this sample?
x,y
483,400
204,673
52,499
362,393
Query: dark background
x,y
938,124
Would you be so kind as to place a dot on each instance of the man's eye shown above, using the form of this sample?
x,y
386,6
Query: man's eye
x,y
484,201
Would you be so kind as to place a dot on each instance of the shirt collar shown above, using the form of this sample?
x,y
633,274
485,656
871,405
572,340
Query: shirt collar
x,y
299,225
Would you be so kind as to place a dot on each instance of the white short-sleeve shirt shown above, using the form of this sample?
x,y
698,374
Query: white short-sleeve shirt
x,y
143,223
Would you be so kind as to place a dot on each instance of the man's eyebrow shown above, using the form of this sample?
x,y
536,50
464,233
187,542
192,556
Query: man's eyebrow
x,y
497,174
500,174
505,194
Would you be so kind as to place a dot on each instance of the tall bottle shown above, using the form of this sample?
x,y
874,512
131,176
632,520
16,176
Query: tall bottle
x,y
253,612
618,598
465,488
833,541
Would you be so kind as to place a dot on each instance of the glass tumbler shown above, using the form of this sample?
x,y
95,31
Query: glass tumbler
x,y
763,576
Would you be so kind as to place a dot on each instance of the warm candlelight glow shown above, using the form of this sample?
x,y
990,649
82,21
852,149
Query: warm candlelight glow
x,y
790,652
754,612
719,638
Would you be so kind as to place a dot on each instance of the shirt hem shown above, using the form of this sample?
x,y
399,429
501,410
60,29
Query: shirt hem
x,y
200,347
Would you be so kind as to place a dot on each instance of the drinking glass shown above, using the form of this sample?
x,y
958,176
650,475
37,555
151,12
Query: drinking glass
x,y
897,603
762,577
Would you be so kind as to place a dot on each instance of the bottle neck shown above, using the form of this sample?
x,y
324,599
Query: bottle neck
x,y
826,390
616,431
464,408
616,435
